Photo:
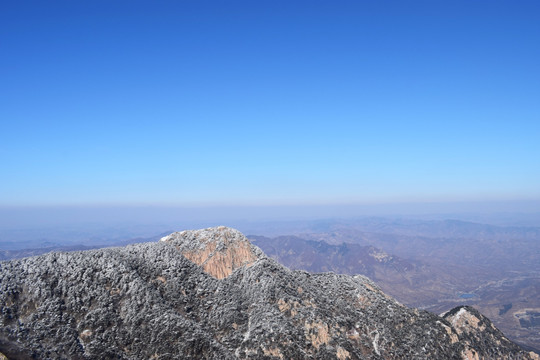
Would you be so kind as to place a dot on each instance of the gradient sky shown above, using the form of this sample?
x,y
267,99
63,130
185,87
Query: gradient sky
x,y
268,102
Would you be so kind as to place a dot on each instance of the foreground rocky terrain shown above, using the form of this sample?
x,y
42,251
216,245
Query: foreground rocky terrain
x,y
211,294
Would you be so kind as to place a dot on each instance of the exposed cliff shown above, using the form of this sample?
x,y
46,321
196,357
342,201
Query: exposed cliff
x,y
211,294
219,251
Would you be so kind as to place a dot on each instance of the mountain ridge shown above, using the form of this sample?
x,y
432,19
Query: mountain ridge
x,y
150,301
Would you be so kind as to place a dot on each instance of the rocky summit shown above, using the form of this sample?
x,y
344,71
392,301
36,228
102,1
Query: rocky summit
x,y
210,294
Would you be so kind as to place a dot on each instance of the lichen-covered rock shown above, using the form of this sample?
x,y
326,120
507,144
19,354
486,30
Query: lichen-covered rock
x,y
230,301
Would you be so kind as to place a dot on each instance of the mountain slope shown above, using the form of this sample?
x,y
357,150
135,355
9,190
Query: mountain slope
x,y
230,301
415,282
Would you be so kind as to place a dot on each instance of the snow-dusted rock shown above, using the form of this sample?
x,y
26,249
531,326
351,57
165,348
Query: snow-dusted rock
x,y
230,301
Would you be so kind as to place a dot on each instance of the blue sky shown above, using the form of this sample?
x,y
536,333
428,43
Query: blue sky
x,y
198,103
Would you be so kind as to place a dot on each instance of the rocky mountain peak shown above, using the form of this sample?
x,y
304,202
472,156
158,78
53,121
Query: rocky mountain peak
x,y
210,294
218,250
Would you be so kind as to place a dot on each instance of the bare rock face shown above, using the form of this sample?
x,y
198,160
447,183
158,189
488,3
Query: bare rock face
x,y
210,294
219,251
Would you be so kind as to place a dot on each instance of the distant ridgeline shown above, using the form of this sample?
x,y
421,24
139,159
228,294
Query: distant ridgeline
x,y
212,294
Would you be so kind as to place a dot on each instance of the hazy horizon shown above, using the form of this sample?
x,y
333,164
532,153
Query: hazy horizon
x,y
42,227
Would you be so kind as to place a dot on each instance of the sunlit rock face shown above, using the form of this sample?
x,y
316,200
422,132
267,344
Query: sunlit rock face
x,y
210,294
219,251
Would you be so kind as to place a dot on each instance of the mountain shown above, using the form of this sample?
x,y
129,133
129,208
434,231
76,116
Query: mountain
x,y
211,294
316,256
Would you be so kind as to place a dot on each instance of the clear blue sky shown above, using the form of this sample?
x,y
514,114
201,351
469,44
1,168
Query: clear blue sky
x,y
268,102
